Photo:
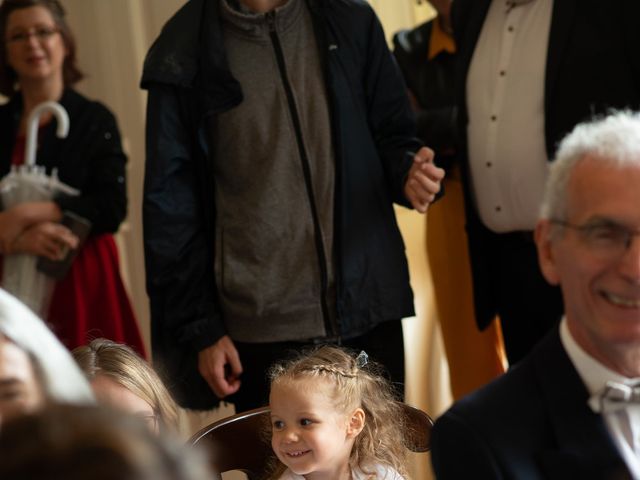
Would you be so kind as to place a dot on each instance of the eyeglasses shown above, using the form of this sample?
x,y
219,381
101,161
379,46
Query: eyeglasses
x,y
41,33
607,239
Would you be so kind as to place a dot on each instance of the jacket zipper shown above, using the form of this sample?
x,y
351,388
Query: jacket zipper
x,y
330,325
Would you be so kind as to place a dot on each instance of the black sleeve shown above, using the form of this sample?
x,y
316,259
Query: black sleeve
x,y
178,253
96,151
459,452
390,117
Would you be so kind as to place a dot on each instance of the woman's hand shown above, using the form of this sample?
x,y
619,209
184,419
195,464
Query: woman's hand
x,y
11,226
45,239
15,220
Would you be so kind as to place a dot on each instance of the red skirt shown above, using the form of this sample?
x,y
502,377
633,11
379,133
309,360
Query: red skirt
x,y
91,301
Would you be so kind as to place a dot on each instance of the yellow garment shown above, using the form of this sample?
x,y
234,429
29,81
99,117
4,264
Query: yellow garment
x,y
440,41
474,357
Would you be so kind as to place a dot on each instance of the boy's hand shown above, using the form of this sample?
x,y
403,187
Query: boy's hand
x,y
423,180
220,366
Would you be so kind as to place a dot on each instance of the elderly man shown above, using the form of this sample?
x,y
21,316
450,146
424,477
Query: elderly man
x,y
571,409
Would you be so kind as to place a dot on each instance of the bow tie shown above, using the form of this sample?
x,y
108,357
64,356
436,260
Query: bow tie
x,y
615,396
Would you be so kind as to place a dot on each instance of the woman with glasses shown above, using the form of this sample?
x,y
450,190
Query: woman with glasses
x,y
37,64
122,379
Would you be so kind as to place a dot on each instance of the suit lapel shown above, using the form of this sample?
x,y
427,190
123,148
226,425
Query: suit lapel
x,y
562,17
471,26
584,446
475,20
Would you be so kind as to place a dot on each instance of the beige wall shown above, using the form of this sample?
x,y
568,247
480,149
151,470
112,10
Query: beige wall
x,y
113,37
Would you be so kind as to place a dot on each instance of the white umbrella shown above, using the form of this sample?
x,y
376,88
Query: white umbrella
x,y
30,183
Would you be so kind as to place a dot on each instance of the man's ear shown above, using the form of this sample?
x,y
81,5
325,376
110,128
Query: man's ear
x,y
356,423
546,255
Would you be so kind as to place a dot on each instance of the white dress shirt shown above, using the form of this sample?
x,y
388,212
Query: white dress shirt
x,y
505,101
624,424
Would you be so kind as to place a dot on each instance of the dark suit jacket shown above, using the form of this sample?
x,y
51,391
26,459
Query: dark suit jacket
x,y
593,65
532,423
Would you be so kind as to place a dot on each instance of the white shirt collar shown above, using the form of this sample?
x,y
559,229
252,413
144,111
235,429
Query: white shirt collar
x,y
593,373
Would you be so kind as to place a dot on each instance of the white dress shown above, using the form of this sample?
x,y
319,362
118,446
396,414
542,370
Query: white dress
x,y
383,472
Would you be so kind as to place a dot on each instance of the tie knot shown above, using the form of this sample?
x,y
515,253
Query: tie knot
x,y
615,396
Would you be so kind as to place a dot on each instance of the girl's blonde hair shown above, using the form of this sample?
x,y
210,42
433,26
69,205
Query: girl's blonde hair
x,y
358,383
127,368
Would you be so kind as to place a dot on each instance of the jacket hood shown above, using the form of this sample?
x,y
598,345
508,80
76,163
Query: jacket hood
x,y
190,51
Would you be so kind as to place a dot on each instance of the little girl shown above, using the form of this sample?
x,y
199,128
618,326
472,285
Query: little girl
x,y
334,418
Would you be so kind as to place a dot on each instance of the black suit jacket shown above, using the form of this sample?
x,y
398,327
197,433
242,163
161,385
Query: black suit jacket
x,y
593,65
532,423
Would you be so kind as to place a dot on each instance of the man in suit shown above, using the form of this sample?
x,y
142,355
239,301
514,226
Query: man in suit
x,y
528,72
571,409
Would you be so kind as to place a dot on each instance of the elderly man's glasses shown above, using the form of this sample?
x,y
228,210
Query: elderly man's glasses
x,y
606,239
41,33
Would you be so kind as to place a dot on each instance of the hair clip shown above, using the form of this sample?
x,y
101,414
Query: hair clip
x,y
362,359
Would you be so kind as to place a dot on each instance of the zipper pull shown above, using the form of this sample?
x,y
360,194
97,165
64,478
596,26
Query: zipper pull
x,y
271,20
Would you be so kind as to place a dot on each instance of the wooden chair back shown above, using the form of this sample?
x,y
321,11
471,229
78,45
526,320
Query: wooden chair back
x,y
239,442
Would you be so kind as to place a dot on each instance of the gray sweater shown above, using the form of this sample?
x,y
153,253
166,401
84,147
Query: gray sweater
x,y
267,267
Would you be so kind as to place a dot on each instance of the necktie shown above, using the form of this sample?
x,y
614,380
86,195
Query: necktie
x,y
615,396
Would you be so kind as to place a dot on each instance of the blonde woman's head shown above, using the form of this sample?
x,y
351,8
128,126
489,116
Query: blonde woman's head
x,y
121,378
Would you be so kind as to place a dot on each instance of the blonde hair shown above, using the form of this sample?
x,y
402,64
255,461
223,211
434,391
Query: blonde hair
x,y
127,368
356,385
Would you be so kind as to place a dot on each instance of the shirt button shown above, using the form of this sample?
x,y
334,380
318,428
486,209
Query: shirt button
x,y
510,29
493,118
498,209
489,164
107,135
502,73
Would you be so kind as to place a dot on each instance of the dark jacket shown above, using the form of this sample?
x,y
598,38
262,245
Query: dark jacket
x,y
532,423
189,83
432,83
592,66
89,159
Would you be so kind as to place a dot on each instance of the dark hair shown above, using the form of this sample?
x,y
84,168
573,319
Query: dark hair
x,y
75,443
70,72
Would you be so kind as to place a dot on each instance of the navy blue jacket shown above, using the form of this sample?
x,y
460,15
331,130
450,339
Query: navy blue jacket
x,y
189,83
532,423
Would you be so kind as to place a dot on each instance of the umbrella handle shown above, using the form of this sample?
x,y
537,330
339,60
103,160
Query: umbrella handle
x,y
32,127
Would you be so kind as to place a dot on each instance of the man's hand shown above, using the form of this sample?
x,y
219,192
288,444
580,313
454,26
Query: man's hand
x,y
423,180
220,366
